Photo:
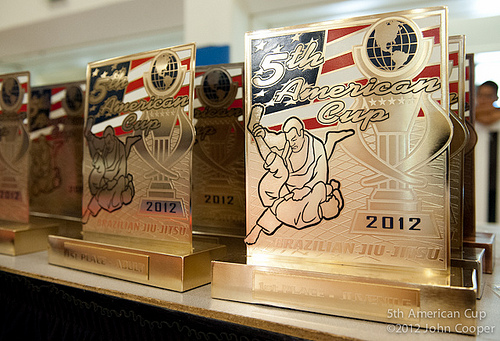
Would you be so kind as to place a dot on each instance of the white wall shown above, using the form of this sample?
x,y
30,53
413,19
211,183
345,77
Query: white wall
x,y
56,39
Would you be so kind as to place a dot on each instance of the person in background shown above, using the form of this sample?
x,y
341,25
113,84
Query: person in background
x,y
486,112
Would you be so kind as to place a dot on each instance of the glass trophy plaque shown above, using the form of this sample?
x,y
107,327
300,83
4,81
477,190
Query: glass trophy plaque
x,y
18,233
136,208
348,142
218,196
472,238
56,133
463,258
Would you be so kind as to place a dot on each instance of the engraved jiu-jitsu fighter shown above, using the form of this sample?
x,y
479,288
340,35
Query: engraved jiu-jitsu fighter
x,y
295,190
109,183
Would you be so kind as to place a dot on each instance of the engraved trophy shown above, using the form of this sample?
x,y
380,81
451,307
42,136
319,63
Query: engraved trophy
x,y
19,233
138,139
56,133
218,153
474,239
464,258
347,156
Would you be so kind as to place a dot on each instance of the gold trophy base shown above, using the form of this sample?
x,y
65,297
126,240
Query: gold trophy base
x,y
21,238
426,306
485,241
179,271
473,259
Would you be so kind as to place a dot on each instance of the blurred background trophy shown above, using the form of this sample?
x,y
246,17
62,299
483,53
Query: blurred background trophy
x,y
19,233
56,133
218,154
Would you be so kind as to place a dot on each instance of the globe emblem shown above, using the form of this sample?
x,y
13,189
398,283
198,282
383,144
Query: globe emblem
x,y
74,98
11,91
164,72
392,45
216,86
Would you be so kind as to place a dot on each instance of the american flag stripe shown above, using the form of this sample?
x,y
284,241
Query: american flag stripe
x,y
23,80
340,68
454,58
338,63
467,85
338,33
56,109
433,32
340,47
236,76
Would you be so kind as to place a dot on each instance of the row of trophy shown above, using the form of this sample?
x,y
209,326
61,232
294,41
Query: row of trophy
x,y
346,154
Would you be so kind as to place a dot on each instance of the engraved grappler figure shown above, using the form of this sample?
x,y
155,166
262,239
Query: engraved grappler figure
x,y
109,183
295,190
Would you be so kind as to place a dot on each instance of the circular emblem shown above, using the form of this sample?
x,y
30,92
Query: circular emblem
x,y
11,94
73,101
391,45
165,75
217,88
393,48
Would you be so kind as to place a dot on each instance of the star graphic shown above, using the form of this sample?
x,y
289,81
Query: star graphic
x,y
290,102
311,41
270,103
114,66
296,37
401,100
260,46
261,93
373,102
104,74
392,101
93,108
381,101
277,49
95,73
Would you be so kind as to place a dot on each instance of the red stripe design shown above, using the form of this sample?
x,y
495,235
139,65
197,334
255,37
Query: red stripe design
x,y
186,62
454,87
54,91
137,62
239,80
238,103
134,85
428,72
55,106
184,91
342,32
338,63
454,58
433,32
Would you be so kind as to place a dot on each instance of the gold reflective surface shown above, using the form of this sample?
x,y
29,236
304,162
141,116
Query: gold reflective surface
x,y
348,137
218,196
56,151
14,146
138,143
